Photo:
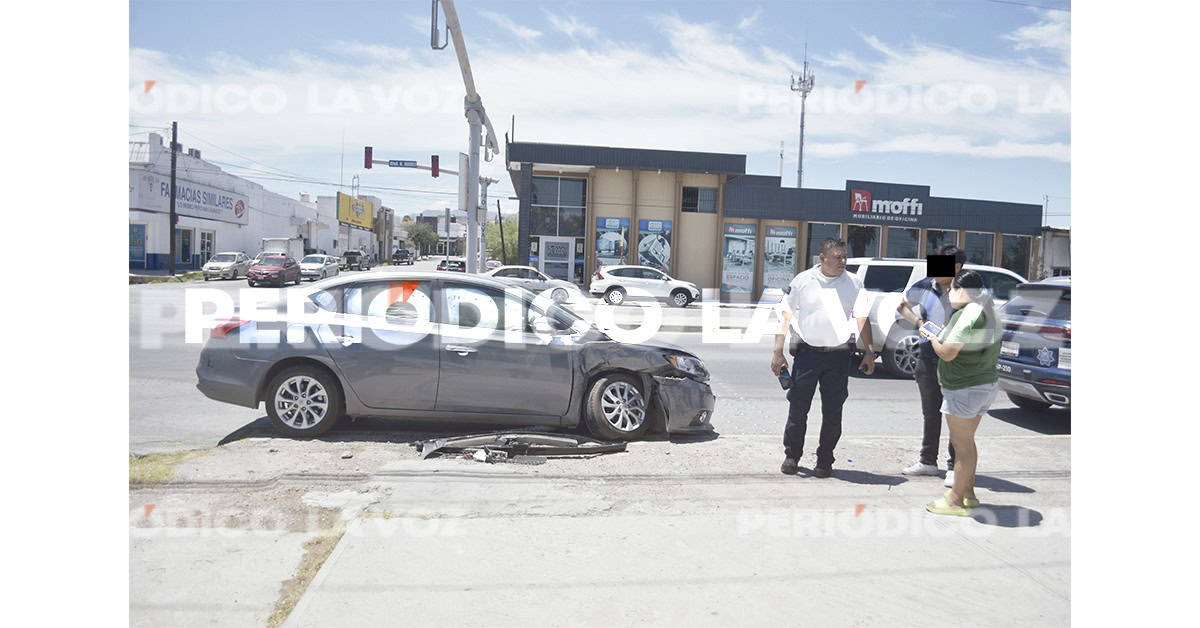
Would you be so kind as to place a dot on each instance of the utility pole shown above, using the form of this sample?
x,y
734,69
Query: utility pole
x,y
804,86
500,222
171,210
484,182
780,160
447,238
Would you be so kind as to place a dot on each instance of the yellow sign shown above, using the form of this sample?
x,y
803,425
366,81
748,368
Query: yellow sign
x,y
355,211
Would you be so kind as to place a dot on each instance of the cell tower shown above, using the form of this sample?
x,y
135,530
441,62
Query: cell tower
x,y
804,86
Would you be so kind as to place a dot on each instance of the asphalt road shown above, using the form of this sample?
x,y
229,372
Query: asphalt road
x,y
166,412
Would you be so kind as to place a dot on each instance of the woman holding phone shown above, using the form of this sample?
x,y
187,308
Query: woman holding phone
x,y
968,348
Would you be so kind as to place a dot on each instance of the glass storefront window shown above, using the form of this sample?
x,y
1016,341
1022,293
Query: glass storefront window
x,y
935,239
902,242
1014,254
544,221
979,248
862,241
545,191
572,193
570,221
817,232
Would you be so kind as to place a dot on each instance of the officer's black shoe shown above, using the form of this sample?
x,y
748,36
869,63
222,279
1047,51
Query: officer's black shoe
x,y
822,472
790,466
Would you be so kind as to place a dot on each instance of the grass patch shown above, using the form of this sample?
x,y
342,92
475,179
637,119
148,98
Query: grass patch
x,y
316,551
158,468
193,276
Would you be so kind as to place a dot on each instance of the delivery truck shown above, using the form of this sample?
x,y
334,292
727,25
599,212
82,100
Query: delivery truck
x,y
293,247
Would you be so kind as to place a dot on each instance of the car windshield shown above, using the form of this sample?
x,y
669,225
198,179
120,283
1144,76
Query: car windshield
x,y
1040,302
350,254
313,259
271,261
224,257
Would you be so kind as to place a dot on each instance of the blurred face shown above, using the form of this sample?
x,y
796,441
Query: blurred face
x,y
959,298
833,263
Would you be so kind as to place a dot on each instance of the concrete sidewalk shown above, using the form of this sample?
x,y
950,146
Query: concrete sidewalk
x,y
704,533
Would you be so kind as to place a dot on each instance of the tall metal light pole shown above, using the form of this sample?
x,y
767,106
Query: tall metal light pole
x,y
804,86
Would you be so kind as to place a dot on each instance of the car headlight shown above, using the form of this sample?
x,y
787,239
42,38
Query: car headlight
x,y
687,364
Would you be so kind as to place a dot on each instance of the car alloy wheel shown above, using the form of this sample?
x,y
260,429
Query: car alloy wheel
x,y
615,296
301,402
559,295
904,357
623,406
680,299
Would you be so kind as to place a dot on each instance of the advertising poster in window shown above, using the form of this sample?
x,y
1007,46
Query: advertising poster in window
x,y
612,241
737,270
654,244
137,243
779,257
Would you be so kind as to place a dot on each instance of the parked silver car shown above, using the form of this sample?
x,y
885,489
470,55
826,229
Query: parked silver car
x,y
318,266
435,346
228,265
535,281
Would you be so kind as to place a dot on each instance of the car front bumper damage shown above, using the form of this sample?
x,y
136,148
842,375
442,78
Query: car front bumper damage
x,y
687,404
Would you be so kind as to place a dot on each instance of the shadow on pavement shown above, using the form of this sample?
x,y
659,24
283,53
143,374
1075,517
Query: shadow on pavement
x,y
1053,421
1000,486
866,477
1006,516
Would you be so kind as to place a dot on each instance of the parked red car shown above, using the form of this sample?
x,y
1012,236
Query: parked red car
x,y
274,269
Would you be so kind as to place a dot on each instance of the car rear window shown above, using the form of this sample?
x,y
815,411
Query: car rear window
x,y
271,261
887,278
1042,302
221,258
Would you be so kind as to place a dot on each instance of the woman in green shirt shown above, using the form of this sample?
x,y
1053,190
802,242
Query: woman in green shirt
x,y
969,348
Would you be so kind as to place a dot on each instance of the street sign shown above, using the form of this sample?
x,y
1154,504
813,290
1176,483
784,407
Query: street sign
x,y
401,163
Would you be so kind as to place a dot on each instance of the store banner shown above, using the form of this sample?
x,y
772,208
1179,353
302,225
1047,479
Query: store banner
x,y
152,192
737,267
137,243
612,241
779,257
654,244
356,212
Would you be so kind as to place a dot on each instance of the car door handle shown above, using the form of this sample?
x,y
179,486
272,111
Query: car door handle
x,y
345,340
460,350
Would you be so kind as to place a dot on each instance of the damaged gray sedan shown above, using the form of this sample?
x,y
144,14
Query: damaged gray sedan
x,y
449,348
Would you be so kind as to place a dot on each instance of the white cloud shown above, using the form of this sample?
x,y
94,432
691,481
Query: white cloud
x,y
750,21
571,26
1052,32
709,90
505,22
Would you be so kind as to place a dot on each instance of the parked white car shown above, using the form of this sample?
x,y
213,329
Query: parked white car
x,y
535,281
228,265
314,267
886,280
618,283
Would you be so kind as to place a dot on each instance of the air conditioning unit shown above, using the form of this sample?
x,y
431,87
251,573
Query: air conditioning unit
x,y
192,152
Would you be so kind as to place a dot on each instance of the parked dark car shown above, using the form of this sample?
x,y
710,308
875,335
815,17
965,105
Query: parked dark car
x,y
356,260
453,265
274,270
378,355
1035,355
402,256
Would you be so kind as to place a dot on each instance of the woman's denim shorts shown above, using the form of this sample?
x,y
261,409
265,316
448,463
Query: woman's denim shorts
x,y
969,402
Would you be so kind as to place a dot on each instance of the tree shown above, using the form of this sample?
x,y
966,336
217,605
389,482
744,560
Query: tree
x,y
422,235
492,241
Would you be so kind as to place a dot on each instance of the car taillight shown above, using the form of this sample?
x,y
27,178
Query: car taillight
x,y
1056,382
1056,333
227,326
599,276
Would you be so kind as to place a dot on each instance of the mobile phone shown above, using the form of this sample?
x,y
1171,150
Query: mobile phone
x,y
785,378
932,328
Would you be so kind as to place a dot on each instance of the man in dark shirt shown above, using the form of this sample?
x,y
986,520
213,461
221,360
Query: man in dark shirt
x,y
929,300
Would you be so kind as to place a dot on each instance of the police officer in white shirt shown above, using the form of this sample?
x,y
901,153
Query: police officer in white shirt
x,y
824,306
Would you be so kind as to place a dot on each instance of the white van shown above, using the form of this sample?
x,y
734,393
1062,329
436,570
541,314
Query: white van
x,y
887,279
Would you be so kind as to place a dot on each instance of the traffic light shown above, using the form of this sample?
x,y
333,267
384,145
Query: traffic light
x,y
433,165
367,157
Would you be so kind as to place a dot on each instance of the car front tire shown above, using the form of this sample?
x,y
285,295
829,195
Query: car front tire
x,y
559,295
617,408
900,354
680,298
303,402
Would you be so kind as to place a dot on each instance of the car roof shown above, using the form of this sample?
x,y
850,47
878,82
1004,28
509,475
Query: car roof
x,y
231,253
513,266
908,261
388,273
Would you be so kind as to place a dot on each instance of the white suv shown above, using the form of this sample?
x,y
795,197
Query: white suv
x,y
886,280
617,283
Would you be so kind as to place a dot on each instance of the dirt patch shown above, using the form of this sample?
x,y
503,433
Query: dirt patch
x,y
316,551
153,469
138,279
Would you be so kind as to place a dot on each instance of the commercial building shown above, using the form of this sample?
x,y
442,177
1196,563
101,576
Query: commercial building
x,y
701,218
1055,253
217,211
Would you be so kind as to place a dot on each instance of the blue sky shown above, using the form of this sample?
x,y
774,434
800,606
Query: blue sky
x,y
968,96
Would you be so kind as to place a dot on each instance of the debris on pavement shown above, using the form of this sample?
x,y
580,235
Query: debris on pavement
x,y
523,447
347,454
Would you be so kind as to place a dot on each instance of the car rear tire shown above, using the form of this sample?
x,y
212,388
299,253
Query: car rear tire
x,y
1026,403
614,296
303,402
617,408
680,298
900,354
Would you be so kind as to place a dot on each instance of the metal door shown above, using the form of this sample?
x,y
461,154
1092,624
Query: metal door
x,y
556,257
